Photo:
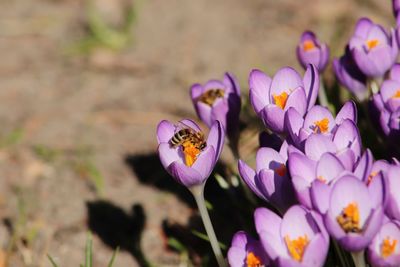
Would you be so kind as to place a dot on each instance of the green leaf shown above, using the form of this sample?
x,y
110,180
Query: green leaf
x,y
205,237
53,263
111,263
176,244
89,252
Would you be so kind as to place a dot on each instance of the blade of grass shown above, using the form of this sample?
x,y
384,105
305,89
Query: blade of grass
x,y
205,237
88,252
111,263
53,263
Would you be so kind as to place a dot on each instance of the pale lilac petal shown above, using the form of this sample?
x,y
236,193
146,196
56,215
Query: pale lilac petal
x,y
216,138
204,113
316,251
185,175
273,117
316,114
329,167
311,85
168,154
268,158
297,100
205,162
285,80
259,84
318,144
195,91
293,123
348,111
165,131
249,177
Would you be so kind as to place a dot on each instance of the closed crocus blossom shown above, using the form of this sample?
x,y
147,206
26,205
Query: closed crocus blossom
x,y
245,251
353,213
393,185
317,120
387,102
189,163
311,51
218,100
271,98
350,76
298,239
384,249
270,181
373,49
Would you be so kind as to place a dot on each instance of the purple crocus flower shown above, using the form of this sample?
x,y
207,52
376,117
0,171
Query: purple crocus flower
x,y
218,100
373,49
396,10
298,239
245,251
350,76
270,181
387,102
271,98
393,183
384,249
352,212
189,164
311,51
317,120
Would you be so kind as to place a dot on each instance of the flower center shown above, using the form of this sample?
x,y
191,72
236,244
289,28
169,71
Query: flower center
x,y
372,44
322,179
297,246
191,152
308,45
210,96
252,260
349,219
370,177
280,100
397,94
387,247
281,170
321,126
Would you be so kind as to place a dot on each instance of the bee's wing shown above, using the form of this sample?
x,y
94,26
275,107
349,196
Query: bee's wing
x,y
187,124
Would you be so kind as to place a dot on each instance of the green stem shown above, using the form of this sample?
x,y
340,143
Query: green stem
x,y
198,193
358,258
323,99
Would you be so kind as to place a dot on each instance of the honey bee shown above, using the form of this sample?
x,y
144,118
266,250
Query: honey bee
x,y
210,96
188,134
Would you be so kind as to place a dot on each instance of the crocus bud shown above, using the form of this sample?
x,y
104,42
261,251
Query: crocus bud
x,y
311,51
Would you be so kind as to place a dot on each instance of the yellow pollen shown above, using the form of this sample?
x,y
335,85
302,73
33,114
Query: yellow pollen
x,y
280,100
190,152
387,247
322,179
321,126
397,94
349,219
281,170
210,96
308,45
252,260
370,177
372,43
297,246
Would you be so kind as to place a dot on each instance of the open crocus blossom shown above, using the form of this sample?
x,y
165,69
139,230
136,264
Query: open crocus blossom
x,y
387,102
218,100
311,51
317,120
185,153
384,248
350,76
298,239
271,98
270,181
245,251
373,49
353,212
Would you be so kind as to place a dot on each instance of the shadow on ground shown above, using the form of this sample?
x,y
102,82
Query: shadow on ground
x,y
117,228
227,205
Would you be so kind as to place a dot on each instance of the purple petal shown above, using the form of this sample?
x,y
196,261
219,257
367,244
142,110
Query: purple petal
x,y
298,222
293,123
311,85
320,193
231,83
204,113
273,117
165,131
216,138
302,166
185,175
297,100
249,177
259,84
302,189
348,111
168,155
268,158
318,144
316,251
364,165
268,221
363,27
195,91
285,80
329,167
205,162
316,114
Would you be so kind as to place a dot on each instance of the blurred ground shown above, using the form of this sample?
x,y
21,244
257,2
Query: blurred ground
x,y
77,136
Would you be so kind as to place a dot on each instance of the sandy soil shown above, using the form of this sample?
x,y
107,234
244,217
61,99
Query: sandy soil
x,y
77,131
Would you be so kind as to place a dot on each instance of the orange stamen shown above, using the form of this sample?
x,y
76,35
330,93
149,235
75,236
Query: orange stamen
x,y
321,126
322,179
308,45
190,152
281,170
349,219
280,100
297,246
372,44
252,260
397,94
370,177
387,247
